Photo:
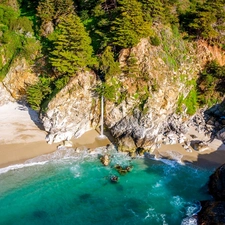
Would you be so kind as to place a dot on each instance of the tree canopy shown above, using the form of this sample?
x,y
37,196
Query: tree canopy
x,y
72,50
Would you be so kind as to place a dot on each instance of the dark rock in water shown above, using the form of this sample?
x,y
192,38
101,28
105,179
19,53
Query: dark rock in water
x,y
123,170
114,178
84,197
212,213
41,214
217,183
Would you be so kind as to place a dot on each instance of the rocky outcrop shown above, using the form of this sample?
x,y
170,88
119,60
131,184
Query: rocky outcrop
x,y
5,96
74,110
217,184
151,99
145,117
18,78
213,211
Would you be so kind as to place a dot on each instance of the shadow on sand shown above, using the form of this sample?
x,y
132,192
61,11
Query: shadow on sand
x,y
34,116
212,160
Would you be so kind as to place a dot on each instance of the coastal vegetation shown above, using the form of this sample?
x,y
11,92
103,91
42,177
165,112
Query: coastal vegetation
x,y
72,36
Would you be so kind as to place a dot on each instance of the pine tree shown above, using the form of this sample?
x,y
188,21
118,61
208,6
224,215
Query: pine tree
x,y
107,64
153,10
50,11
72,47
129,26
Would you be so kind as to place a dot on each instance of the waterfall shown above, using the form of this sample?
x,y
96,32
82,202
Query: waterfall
x,y
102,117
102,114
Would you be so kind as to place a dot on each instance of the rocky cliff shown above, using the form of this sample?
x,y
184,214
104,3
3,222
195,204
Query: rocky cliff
x,y
19,76
212,211
143,115
74,110
150,88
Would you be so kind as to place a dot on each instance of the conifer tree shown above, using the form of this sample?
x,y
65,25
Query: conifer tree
x,y
50,11
72,46
153,10
129,26
107,65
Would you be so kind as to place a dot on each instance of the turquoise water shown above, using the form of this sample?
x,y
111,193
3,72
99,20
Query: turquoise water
x,y
76,190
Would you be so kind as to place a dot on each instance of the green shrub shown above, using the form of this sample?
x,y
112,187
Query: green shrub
x,y
155,41
38,92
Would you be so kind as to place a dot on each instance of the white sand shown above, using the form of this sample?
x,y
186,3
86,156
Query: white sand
x,y
22,136
19,124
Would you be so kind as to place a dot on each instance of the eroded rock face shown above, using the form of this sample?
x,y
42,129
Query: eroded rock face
x,y
212,212
146,113
137,122
74,110
5,96
18,78
217,184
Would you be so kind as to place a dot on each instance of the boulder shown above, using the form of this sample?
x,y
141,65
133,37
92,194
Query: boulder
x,y
212,213
217,184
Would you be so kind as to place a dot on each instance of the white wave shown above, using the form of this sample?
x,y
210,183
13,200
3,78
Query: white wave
x,y
193,209
20,166
189,221
177,202
158,184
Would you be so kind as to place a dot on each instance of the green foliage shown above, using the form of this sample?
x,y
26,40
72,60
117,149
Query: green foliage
x,y
154,40
129,26
211,84
50,12
205,20
190,102
131,69
38,92
111,90
153,10
61,82
72,49
16,38
107,65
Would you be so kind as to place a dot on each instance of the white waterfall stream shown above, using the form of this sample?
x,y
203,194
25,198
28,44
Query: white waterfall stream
x,y
102,117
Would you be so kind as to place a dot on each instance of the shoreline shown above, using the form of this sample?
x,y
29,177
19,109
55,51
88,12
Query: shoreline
x,y
22,139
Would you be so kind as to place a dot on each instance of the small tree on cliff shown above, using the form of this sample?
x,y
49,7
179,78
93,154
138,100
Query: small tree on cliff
x,y
129,26
72,49
107,65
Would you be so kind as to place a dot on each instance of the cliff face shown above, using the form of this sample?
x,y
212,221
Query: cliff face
x,y
19,76
137,121
140,119
74,110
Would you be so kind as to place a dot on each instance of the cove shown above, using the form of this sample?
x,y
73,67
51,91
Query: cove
x,y
76,189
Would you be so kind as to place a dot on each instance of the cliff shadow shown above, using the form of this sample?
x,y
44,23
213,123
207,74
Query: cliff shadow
x,y
212,160
34,116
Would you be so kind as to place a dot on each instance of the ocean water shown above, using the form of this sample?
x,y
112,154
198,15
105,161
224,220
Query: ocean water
x,y
74,188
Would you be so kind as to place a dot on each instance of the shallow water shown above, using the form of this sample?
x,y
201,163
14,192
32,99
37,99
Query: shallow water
x,y
76,189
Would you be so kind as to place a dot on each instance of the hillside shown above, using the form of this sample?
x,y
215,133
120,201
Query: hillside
x,y
149,59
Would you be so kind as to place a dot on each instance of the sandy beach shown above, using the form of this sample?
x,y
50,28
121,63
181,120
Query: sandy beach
x,y
22,137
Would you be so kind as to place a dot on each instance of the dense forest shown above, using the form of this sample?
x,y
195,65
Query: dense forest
x,y
74,35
